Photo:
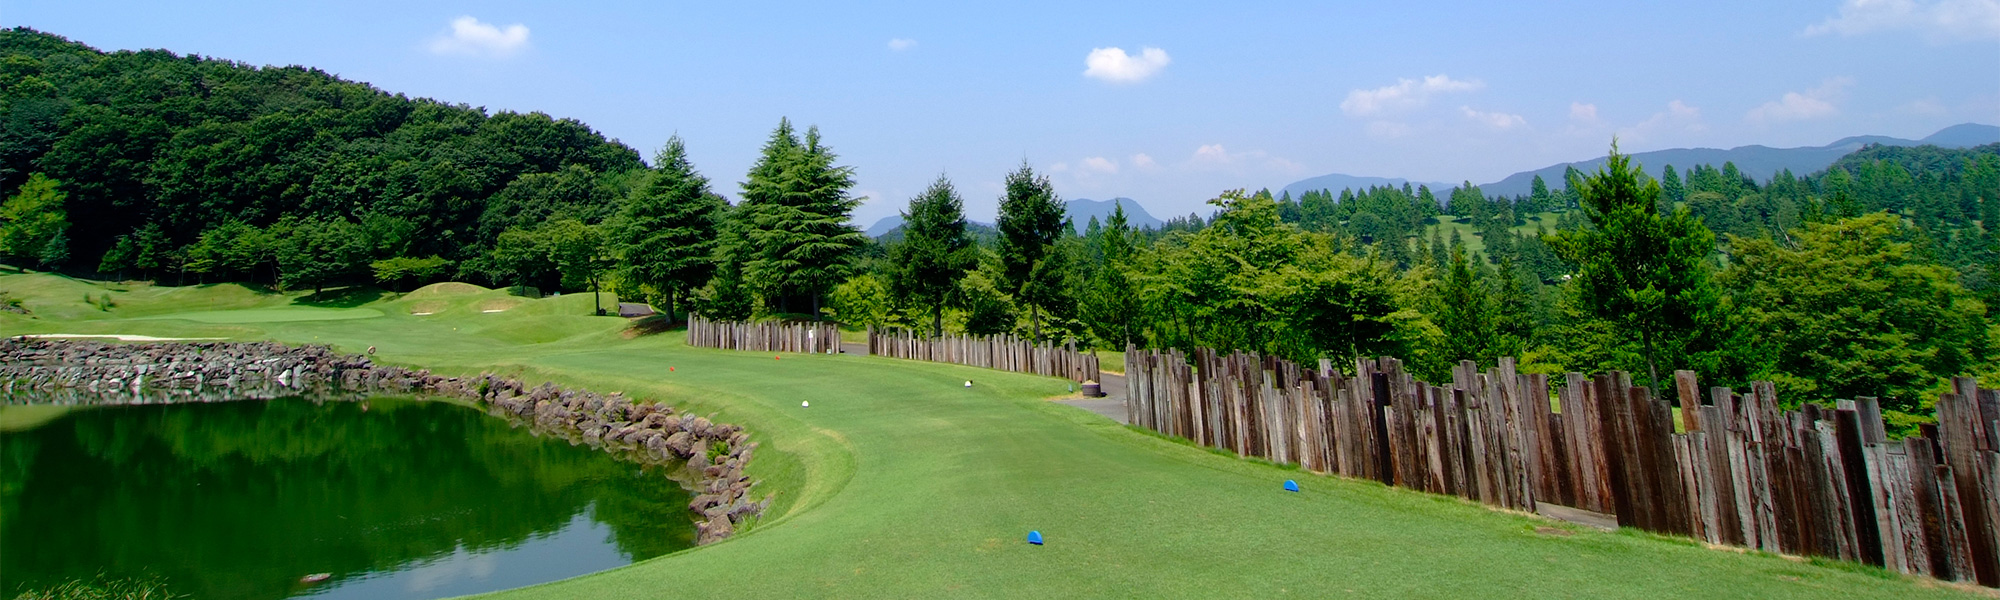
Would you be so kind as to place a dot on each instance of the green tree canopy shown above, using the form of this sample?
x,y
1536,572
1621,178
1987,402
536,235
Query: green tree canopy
x,y
1645,272
668,228
798,209
935,251
1032,220
1857,310
33,220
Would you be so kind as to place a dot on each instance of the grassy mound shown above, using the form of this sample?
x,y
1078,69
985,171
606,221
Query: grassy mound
x,y
449,288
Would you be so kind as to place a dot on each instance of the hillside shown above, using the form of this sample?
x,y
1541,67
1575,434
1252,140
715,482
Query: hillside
x,y
1758,162
158,148
1338,181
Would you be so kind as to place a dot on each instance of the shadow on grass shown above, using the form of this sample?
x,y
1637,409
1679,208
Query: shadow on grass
x,y
653,325
347,297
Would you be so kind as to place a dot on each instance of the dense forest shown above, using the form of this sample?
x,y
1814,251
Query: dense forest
x,y
185,168
1870,278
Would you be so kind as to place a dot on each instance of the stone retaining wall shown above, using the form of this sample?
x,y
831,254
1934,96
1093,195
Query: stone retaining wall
x,y
93,372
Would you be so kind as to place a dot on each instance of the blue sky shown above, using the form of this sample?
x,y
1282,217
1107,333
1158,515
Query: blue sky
x,y
1230,94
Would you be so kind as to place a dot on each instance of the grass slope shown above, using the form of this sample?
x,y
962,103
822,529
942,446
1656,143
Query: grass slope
x,y
899,481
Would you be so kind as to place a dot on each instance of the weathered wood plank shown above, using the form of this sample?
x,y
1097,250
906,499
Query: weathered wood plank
x,y
1961,433
1951,521
1858,477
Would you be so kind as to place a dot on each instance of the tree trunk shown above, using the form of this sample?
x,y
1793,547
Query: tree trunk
x,y
815,308
670,307
595,297
937,320
1652,370
1036,310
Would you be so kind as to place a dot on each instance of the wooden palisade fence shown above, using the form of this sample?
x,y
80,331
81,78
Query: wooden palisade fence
x,y
767,336
1815,481
1003,352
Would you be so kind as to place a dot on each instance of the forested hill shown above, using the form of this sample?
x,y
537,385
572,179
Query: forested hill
x,y
152,149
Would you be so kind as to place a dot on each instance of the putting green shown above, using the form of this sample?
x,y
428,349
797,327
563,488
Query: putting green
x,y
274,315
899,481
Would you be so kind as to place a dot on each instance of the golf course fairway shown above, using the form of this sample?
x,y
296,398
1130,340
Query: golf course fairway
x,y
899,481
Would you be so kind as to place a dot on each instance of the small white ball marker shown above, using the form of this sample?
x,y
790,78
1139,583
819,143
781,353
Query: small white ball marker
x,y
805,404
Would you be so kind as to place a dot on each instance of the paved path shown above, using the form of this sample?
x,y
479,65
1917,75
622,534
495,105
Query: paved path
x,y
1112,405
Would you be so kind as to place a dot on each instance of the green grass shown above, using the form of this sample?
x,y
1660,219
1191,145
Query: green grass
x,y
274,315
1110,361
1468,233
899,481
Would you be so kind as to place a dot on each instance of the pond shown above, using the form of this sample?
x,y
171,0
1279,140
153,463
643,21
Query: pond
x,y
392,498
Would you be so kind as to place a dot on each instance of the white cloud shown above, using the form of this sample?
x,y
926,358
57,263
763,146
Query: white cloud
x,y
1496,120
1114,65
1816,103
1142,161
1405,94
1212,154
1928,107
469,37
900,44
1098,164
1679,117
1936,20
1582,113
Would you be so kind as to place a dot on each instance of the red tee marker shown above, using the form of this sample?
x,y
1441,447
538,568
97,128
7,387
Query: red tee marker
x,y
670,368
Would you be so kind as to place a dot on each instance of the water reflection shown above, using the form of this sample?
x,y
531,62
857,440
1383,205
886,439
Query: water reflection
x,y
394,498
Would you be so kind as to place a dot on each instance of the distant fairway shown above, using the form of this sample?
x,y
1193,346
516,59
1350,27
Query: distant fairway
x,y
274,315
901,482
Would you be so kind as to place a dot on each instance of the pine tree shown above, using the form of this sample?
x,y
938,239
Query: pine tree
x,y
935,251
1513,308
1440,255
1112,302
1670,186
727,297
1645,272
1031,221
1539,198
798,209
1462,311
668,237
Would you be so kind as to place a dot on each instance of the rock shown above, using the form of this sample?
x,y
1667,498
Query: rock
x,y
680,442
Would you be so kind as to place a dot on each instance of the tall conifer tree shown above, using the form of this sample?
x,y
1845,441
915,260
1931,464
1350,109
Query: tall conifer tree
x,y
1031,221
935,252
801,243
669,228
1645,272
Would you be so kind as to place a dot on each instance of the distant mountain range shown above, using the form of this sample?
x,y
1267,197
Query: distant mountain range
x,y
1338,181
1079,210
1759,162
1082,209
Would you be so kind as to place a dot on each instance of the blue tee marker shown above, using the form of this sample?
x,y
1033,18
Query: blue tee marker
x,y
1035,537
1291,486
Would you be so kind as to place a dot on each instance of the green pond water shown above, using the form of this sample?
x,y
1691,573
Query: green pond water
x,y
393,498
